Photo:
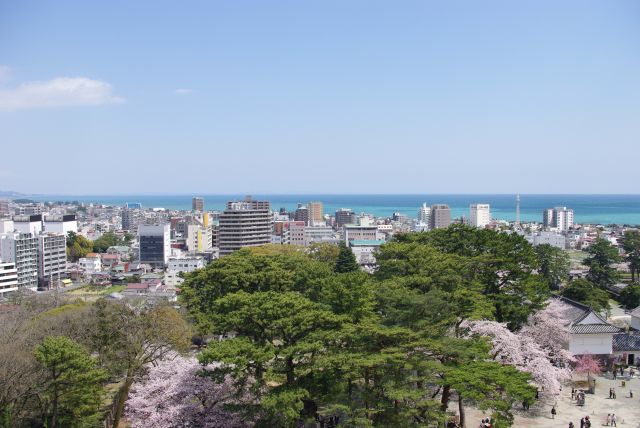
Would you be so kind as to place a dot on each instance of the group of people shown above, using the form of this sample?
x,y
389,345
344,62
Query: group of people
x,y
612,393
584,423
612,420
578,396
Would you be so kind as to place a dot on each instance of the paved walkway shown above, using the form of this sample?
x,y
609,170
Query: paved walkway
x,y
597,406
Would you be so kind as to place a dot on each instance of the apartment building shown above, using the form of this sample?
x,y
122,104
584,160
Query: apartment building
x,y
440,216
244,224
21,249
479,215
52,259
8,278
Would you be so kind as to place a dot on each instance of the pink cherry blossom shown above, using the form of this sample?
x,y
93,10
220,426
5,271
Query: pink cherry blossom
x,y
173,394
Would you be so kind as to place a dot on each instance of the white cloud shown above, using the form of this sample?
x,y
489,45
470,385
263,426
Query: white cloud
x,y
58,92
183,91
5,73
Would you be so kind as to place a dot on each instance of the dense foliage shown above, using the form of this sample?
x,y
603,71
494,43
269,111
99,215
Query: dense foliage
x,y
584,291
555,264
77,246
57,358
311,341
631,246
602,257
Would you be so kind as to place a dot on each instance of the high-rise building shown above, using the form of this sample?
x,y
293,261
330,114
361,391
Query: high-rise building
x,y
130,218
480,215
155,244
21,249
560,218
316,214
197,204
52,259
424,214
345,216
244,224
547,217
8,278
440,216
301,214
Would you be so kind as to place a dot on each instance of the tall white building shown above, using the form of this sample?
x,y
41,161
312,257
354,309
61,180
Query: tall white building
x,y
479,215
155,244
52,258
560,218
21,249
424,214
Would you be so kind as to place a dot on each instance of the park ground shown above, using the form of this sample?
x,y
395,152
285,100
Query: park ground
x,y
597,406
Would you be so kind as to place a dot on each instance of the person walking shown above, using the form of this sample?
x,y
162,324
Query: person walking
x,y
582,424
614,393
614,420
571,425
553,412
587,422
608,419
610,393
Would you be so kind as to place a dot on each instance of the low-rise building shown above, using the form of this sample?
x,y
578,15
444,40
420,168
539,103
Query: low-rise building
x,y
364,250
90,264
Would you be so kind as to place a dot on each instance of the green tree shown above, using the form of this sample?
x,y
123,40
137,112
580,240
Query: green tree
x,y
584,291
383,350
324,252
631,246
602,256
264,269
630,296
108,239
499,266
70,390
78,246
280,336
346,261
554,264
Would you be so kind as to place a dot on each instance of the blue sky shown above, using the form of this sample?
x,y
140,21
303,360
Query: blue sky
x,y
319,96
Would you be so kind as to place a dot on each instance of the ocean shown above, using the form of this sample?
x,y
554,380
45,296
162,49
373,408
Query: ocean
x,y
603,209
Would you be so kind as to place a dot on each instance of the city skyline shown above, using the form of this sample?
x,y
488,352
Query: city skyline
x,y
336,97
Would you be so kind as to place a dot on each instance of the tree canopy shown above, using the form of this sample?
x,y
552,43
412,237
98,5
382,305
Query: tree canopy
x,y
602,256
631,246
307,340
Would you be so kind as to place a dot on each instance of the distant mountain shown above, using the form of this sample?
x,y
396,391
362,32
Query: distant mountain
x,y
10,194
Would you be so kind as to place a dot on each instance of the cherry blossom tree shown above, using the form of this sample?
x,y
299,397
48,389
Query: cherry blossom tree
x,y
588,364
538,348
173,394
548,328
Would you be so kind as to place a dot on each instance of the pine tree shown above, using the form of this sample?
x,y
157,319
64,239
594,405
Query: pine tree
x,y
71,383
346,260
